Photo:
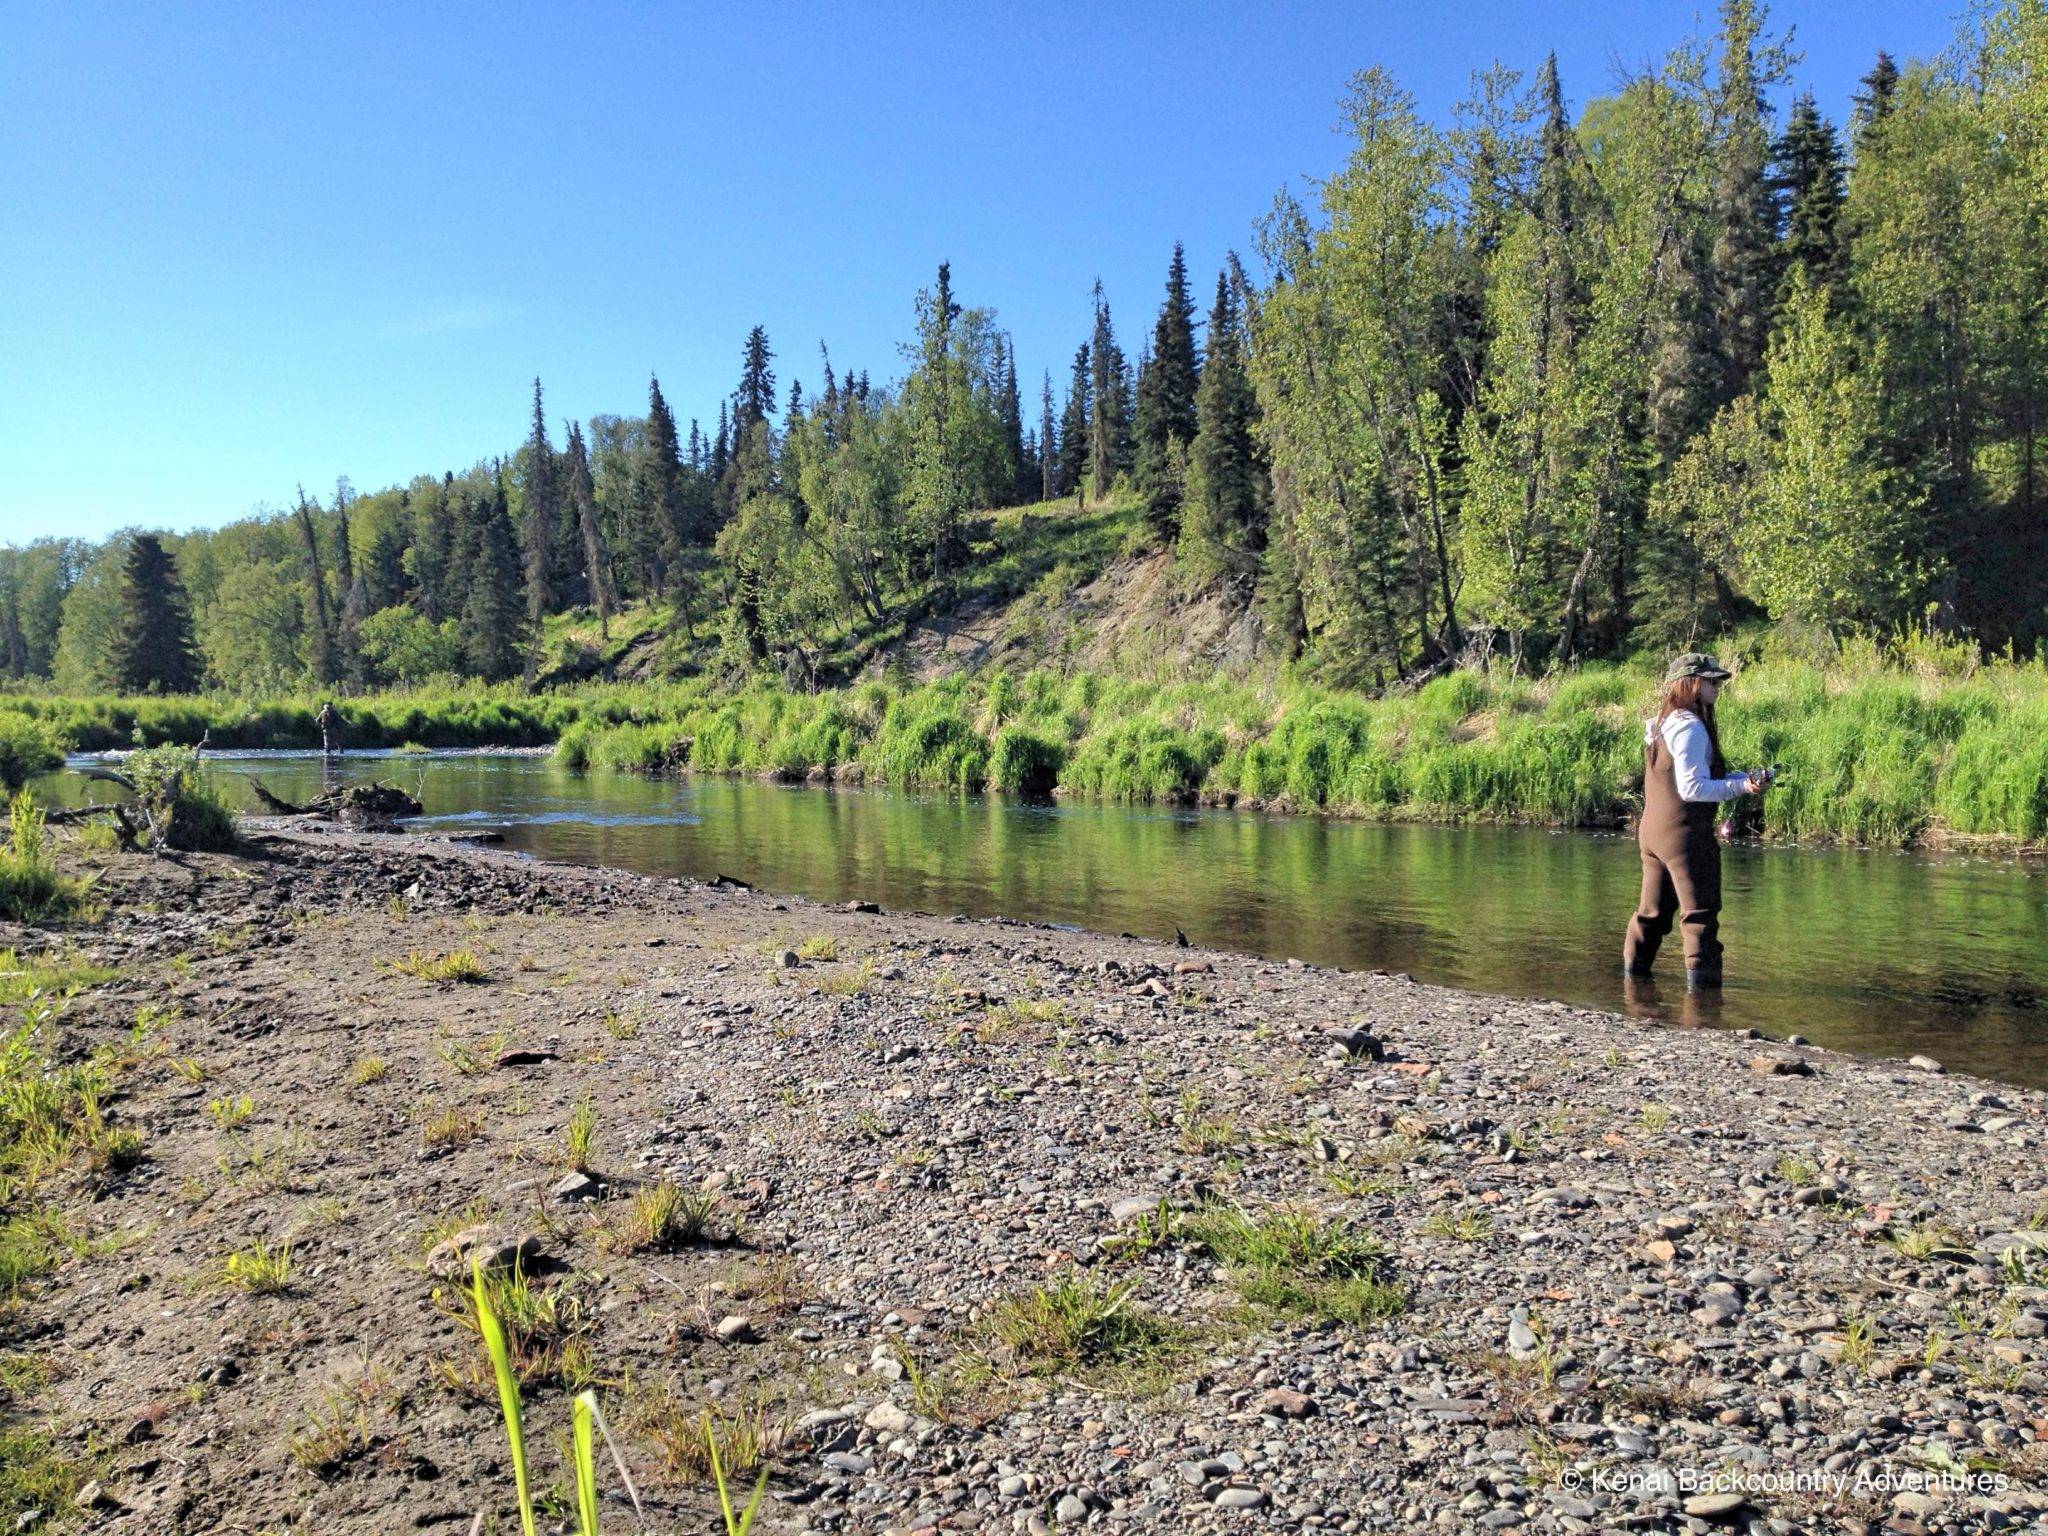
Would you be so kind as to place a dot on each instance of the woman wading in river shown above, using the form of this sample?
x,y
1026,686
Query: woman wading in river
x,y
1684,778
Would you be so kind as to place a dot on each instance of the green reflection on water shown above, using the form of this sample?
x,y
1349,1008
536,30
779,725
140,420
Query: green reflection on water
x,y
1886,953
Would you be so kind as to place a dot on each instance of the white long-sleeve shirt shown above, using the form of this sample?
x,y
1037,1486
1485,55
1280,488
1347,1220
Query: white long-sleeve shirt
x,y
1692,757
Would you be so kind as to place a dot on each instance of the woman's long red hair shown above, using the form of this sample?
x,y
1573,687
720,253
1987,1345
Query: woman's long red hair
x,y
1685,694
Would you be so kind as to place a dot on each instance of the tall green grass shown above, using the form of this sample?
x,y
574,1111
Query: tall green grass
x,y
32,889
1893,746
480,717
1879,753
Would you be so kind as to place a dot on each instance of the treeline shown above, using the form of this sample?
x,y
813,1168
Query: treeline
x,y
1540,384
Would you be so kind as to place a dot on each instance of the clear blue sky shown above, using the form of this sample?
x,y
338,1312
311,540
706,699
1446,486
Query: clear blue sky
x,y
253,245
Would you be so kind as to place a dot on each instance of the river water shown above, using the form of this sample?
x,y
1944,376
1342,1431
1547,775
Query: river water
x,y
1882,953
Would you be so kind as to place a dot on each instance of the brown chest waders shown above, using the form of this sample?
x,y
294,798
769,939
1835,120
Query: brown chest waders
x,y
1681,873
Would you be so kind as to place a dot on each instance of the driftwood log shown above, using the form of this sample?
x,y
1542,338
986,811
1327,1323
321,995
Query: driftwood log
x,y
124,826
156,818
371,802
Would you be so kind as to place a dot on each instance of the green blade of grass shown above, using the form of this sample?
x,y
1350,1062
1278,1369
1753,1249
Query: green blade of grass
x,y
586,1463
508,1391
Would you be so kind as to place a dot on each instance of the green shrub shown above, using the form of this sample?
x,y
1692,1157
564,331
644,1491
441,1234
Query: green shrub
x,y
929,745
28,747
181,808
1996,780
1025,763
1144,761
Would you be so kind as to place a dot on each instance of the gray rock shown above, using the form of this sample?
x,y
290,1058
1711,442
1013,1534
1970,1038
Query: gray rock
x,y
887,1418
577,1185
1240,1498
1715,1506
485,1246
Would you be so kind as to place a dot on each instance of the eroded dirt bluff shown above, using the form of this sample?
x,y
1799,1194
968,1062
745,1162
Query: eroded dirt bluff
x,y
984,1226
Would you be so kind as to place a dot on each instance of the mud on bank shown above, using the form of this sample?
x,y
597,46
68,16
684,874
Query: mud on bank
x,y
984,1226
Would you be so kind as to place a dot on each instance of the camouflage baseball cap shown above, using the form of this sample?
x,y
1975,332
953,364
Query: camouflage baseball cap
x,y
1696,664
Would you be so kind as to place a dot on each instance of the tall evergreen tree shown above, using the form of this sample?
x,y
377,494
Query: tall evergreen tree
x,y
1109,419
1744,266
1224,527
1010,413
658,487
543,494
1527,447
436,547
14,663
1809,180
1048,442
320,656
355,597
1075,425
754,400
1165,421
582,498
380,570
939,404
493,644
151,649
1874,100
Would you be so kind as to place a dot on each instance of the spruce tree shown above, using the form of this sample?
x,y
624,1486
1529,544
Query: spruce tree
x,y
319,626
1809,179
1165,420
1010,415
1048,442
1074,427
13,643
721,447
431,545
1743,267
380,573
659,492
1226,480
1109,417
151,650
582,498
1874,101
542,514
754,400
354,594
492,642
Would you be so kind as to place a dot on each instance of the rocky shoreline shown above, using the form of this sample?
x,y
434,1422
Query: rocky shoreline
x,y
1004,1228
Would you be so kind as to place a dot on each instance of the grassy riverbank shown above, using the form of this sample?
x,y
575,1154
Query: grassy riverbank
x,y
1874,749
1872,756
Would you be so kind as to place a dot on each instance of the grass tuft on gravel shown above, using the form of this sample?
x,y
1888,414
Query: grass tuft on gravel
x,y
661,1217
542,1324
458,966
1297,1261
1074,1326
259,1270
744,1436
